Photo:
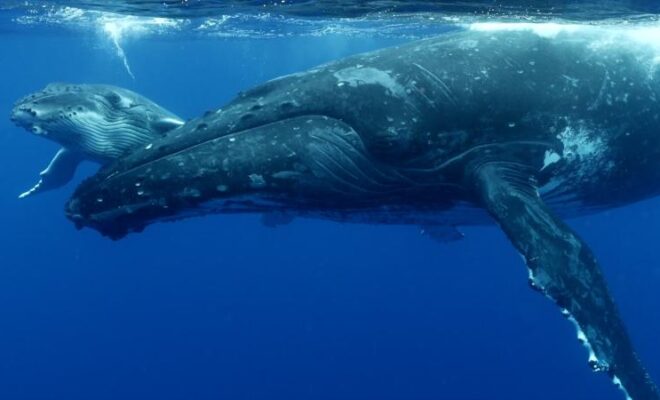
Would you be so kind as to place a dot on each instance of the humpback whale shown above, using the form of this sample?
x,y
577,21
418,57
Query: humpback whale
x,y
92,122
519,127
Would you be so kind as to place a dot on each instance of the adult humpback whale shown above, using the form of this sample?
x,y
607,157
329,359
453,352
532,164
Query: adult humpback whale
x,y
92,122
527,126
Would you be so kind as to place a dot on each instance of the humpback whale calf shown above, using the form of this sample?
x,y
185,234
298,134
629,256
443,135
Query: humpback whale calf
x,y
92,122
521,125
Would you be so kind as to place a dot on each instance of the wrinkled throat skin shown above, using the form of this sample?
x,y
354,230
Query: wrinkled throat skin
x,y
522,127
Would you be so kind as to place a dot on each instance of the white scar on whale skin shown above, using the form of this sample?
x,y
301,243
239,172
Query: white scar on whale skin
x,y
584,149
579,143
358,75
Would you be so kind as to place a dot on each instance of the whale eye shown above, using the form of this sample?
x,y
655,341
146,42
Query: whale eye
x,y
114,99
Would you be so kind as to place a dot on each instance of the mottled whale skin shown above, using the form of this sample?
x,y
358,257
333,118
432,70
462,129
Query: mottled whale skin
x,y
91,122
522,126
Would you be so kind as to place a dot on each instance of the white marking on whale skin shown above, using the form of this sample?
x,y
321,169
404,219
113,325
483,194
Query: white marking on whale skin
x,y
293,75
553,184
617,382
356,76
550,158
573,81
585,155
596,364
257,181
598,101
441,85
468,44
580,144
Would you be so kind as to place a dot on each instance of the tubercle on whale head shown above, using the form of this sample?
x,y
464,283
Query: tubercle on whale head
x,y
26,117
54,114
29,111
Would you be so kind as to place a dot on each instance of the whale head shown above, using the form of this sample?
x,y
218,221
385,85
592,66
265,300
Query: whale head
x,y
100,121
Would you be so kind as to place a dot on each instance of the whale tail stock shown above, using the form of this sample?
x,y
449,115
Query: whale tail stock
x,y
562,267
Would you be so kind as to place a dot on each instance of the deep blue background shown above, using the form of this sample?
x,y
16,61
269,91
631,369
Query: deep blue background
x,y
223,308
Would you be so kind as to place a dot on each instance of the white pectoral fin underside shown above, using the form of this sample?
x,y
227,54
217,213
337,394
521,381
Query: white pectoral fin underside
x,y
58,173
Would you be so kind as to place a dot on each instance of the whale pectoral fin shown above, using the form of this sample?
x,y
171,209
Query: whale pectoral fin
x,y
59,172
562,267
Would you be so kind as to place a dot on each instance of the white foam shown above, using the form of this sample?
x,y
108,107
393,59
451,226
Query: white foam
x,y
548,29
118,27
114,32
615,33
115,27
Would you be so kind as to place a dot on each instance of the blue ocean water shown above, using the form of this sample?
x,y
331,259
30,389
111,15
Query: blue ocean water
x,y
222,307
